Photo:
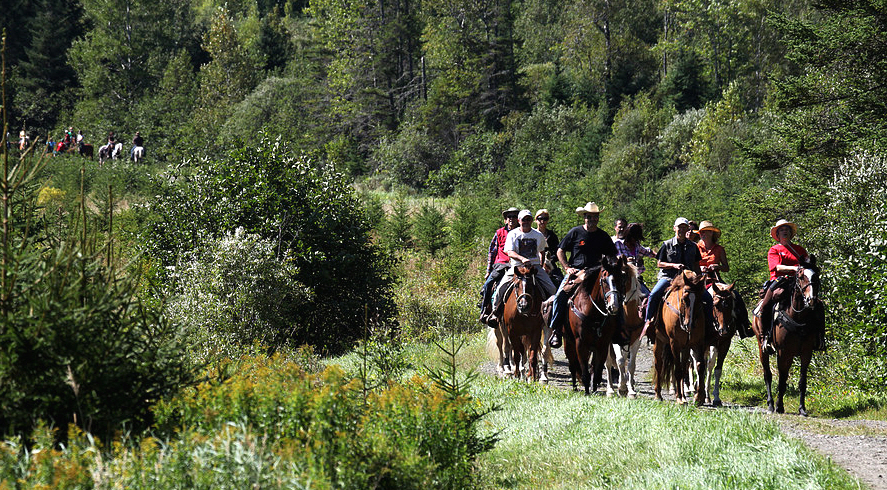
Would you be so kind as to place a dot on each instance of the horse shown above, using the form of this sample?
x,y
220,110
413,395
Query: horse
x,y
717,339
110,151
138,153
679,329
620,365
595,314
85,150
798,321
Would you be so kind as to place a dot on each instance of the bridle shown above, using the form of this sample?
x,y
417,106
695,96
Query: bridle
x,y
612,297
525,301
691,299
799,290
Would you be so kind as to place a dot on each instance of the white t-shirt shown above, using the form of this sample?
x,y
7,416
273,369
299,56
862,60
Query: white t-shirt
x,y
528,244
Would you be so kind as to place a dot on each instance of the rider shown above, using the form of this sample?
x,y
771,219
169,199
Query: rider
x,y
137,140
714,261
549,261
619,225
525,247
630,247
587,244
784,260
497,261
675,255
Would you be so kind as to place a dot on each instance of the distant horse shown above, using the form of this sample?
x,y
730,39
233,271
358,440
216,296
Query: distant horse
x,y
595,314
85,150
138,153
798,323
718,339
621,361
679,329
110,151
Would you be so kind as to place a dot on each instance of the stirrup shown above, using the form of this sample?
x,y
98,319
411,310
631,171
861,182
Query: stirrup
x,y
768,347
554,340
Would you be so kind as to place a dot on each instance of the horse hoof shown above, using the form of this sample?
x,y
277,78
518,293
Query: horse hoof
x,y
717,403
780,409
770,408
802,412
632,396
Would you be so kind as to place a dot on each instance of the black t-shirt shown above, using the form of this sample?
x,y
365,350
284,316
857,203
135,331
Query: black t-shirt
x,y
586,248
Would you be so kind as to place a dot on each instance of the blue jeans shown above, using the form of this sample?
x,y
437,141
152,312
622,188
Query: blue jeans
x,y
559,306
659,291
492,280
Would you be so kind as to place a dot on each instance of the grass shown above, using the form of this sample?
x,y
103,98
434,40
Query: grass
x,y
550,438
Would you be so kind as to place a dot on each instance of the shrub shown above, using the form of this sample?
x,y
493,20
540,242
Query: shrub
x,y
311,216
431,231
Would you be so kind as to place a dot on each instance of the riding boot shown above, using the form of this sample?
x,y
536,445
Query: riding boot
x,y
554,340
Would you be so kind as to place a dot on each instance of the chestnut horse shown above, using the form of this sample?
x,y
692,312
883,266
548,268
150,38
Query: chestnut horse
x,y
595,314
522,322
680,328
718,339
798,323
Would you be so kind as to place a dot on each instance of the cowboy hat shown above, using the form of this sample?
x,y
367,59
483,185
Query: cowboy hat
x,y
590,207
783,222
706,225
511,210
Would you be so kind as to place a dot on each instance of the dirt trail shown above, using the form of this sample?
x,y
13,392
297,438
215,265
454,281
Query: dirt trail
x,y
859,446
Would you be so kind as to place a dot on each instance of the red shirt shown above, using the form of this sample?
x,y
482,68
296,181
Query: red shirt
x,y
711,256
779,255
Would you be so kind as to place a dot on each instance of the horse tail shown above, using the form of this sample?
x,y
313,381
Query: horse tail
x,y
667,369
490,347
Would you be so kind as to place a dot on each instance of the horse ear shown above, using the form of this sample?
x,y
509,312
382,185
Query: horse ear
x,y
730,287
714,286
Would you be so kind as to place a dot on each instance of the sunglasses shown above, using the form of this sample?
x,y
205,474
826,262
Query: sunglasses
x,y
542,218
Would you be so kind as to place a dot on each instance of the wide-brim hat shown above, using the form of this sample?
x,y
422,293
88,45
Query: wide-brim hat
x,y
590,207
783,222
706,225
511,210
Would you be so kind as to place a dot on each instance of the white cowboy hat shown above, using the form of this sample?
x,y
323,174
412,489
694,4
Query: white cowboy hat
x,y
783,222
590,207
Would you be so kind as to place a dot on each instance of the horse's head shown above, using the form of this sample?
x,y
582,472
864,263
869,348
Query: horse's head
x,y
723,303
690,286
807,285
614,282
526,294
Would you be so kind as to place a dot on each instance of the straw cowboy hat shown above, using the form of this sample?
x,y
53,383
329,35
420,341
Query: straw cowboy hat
x,y
783,222
590,207
706,225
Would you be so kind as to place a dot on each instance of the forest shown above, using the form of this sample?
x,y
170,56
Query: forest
x,y
323,179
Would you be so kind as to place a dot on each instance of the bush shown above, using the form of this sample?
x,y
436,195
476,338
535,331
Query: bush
x,y
311,216
431,231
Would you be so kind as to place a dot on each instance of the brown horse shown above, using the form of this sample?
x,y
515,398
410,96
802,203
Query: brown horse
x,y
680,329
522,322
595,314
718,338
798,322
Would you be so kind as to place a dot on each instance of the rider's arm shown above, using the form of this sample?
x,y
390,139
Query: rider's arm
x,y
723,265
562,258
516,256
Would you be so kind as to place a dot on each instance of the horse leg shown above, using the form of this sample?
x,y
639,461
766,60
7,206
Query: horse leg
x,y
632,359
547,356
614,357
503,352
783,365
715,364
700,375
802,382
659,367
679,373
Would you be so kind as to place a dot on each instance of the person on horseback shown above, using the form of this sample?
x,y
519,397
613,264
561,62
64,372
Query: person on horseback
x,y
619,226
587,244
784,260
713,262
630,247
675,255
549,260
525,247
497,262
137,141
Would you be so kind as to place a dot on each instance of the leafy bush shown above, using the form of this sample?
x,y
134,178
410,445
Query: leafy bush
x,y
410,435
311,216
431,231
236,293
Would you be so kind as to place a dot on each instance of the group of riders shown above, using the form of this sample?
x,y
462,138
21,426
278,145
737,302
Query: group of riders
x,y
71,141
693,247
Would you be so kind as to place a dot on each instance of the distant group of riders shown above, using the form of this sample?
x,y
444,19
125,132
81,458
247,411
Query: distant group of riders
x,y
74,142
693,247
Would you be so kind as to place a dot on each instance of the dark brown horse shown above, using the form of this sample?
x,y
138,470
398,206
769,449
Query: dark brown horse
x,y
680,329
595,314
798,323
718,338
522,322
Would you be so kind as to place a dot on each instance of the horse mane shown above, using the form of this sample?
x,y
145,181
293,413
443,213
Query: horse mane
x,y
686,278
591,274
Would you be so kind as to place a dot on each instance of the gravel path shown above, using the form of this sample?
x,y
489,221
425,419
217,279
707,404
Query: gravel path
x,y
859,446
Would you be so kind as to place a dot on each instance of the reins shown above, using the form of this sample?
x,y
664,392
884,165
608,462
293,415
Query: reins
x,y
604,315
